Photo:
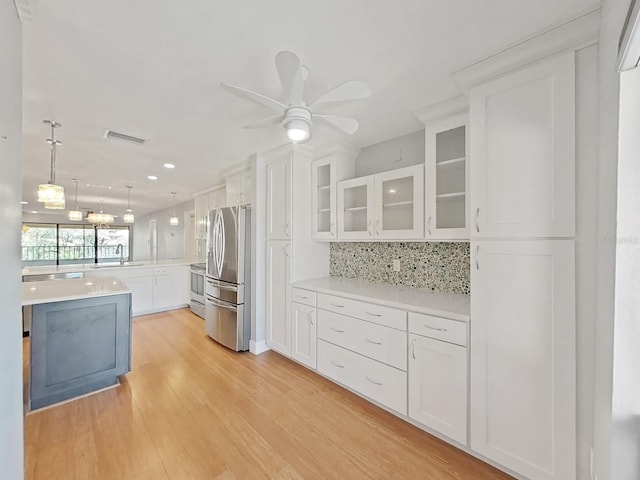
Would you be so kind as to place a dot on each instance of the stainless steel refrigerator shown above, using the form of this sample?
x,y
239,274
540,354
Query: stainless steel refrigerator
x,y
228,277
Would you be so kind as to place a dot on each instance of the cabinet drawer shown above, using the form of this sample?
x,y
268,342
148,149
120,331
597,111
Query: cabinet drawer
x,y
445,329
389,317
377,381
380,343
307,297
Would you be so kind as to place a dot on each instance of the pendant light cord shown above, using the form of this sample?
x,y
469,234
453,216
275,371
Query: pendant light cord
x,y
54,143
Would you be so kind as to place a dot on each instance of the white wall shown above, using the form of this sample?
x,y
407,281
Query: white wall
x,y
385,156
170,238
625,442
11,430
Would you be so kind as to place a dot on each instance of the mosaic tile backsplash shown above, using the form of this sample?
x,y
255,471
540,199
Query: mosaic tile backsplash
x,y
440,266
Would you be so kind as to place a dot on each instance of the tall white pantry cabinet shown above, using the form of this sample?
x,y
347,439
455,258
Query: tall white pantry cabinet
x,y
523,353
291,254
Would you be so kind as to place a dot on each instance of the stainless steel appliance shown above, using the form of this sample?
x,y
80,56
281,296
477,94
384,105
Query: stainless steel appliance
x,y
228,278
197,299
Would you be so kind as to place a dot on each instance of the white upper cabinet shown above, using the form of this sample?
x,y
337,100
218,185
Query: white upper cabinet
x,y
447,178
238,186
355,209
217,198
325,173
201,216
523,151
279,199
387,205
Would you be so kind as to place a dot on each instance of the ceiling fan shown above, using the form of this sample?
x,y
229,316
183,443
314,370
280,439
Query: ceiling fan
x,y
294,113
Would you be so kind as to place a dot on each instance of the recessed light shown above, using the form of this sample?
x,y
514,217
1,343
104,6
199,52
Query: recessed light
x,y
169,165
24,203
152,177
34,211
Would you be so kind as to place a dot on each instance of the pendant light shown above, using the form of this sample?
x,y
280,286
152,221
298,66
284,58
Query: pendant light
x,y
100,220
128,217
75,214
51,194
174,220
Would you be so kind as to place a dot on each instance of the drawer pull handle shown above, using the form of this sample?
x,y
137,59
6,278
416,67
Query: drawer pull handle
x,y
336,330
337,305
373,381
374,314
372,341
336,364
435,328
302,296
413,348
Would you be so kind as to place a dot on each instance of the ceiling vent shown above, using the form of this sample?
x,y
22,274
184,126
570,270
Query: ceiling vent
x,y
121,136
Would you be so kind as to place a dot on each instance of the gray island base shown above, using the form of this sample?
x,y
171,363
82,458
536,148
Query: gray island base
x,y
78,346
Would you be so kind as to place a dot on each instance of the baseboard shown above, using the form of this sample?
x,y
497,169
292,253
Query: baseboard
x,y
258,347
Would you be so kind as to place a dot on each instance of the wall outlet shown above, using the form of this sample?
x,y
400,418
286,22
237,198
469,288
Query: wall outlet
x,y
396,265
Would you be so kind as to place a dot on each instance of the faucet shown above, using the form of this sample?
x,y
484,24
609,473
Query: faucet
x,y
120,250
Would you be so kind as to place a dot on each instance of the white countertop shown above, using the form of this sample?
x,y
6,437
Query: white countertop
x,y
49,291
84,267
450,305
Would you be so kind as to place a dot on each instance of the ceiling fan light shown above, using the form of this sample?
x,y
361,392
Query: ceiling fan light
x,y
298,133
75,215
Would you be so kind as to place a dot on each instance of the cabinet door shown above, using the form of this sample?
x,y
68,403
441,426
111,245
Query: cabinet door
x,y
202,210
222,197
279,199
523,356
447,178
278,313
399,203
233,189
163,291
438,386
141,294
523,151
323,196
303,334
246,193
355,209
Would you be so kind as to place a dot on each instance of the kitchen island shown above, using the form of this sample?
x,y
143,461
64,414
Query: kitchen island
x,y
80,338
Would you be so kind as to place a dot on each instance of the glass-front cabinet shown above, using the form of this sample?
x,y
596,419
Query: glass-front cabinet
x,y
325,173
385,206
447,178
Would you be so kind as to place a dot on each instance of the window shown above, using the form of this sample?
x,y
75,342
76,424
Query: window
x,y
58,244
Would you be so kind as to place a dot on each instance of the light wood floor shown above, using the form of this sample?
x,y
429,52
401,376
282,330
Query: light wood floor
x,y
191,409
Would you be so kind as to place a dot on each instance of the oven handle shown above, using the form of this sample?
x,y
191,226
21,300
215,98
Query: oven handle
x,y
222,304
221,285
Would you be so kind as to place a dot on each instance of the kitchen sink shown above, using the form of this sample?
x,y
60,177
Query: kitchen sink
x,y
116,264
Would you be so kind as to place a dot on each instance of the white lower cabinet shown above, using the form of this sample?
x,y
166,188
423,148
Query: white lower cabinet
x,y
153,289
438,386
303,334
375,380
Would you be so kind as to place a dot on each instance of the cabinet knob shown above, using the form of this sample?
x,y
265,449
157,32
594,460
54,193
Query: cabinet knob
x,y
429,225
413,348
477,215
477,253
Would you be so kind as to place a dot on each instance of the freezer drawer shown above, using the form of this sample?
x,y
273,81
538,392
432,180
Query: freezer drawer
x,y
226,324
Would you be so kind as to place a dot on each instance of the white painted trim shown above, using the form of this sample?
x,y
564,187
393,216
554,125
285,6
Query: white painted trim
x,y
237,168
438,111
276,153
25,9
629,52
571,35
345,150
210,189
258,347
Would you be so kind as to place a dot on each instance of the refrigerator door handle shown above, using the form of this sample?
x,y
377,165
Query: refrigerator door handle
x,y
222,285
222,304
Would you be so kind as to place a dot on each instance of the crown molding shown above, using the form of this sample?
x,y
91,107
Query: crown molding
x,y
574,34
237,168
438,111
294,149
343,150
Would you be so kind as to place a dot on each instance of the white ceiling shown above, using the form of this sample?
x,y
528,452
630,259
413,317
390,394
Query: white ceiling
x,y
152,68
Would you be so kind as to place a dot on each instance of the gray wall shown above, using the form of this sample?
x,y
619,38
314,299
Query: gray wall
x,y
395,153
170,238
11,430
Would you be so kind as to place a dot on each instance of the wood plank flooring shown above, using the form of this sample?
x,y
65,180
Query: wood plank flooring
x,y
191,409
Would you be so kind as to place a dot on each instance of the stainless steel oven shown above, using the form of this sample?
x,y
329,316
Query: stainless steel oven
x,y
197,289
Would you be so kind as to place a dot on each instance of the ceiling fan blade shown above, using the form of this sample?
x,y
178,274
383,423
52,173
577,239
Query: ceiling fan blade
x,y
266,122
290,73
346,124
255,97
350,90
